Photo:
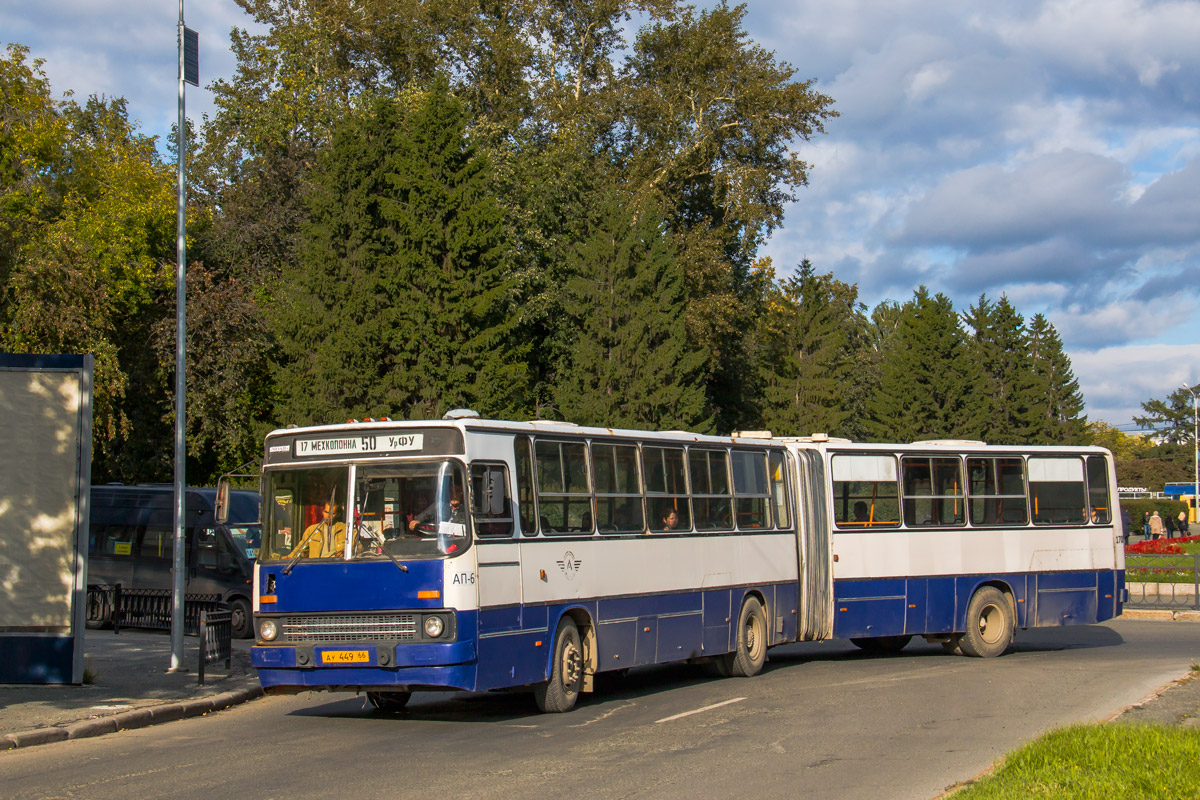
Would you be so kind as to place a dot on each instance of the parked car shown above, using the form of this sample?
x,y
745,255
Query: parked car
x,y
131,542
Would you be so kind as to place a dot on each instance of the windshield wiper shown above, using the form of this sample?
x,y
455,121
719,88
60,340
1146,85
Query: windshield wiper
x,y
378,537
300,550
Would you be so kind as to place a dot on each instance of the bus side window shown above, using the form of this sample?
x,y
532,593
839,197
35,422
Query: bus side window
x,y
526,505
866,492
1098,500
490,504
778,476
933,491
750,489
1057,490
564,496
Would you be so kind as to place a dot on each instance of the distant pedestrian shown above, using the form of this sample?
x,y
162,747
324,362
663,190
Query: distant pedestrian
x,y
1146,525
1126,525
1183,523
1156,526
1169,525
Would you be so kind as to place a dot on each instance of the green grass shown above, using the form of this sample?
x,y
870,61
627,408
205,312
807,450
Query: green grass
x,y
1156,569
1104,762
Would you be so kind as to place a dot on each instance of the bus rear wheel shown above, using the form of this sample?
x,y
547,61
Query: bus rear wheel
x,y
751,653
389,701
881,644
989,624
566,672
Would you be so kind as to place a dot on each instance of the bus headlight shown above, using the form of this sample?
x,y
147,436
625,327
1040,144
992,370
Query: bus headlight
x,y
434,625
267,630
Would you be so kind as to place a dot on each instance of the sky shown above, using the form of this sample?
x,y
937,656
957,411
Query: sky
x,y
1044,150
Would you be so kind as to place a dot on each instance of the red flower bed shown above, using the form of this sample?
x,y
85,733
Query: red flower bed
x,y
1159,547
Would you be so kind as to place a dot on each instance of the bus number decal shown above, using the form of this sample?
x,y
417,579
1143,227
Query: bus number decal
x,y
463,579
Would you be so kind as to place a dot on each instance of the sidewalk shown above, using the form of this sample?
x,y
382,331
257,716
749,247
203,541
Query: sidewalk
x,y
130,688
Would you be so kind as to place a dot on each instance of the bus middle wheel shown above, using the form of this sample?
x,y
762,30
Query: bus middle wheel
x,y
566,672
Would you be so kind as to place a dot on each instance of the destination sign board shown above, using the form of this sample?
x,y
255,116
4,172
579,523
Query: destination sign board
x,y
358,444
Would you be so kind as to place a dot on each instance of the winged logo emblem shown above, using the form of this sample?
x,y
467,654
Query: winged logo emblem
x,y
569,564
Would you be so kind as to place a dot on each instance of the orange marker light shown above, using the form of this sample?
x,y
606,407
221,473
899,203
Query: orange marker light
x,y
428,594
267,598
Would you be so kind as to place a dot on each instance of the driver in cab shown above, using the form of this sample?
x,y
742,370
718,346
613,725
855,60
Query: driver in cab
x,y
324,539
428,518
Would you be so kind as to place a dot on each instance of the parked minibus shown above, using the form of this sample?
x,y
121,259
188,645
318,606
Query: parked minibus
x,y
131,538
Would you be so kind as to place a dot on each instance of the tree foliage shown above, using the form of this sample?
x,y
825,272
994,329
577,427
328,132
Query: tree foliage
x,y
86,233
929,381
810,347
401,207
630,362
399,303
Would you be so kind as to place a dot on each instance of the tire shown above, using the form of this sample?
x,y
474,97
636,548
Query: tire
x,y
751,653
882,644
989,624
243,620
566,672
389,701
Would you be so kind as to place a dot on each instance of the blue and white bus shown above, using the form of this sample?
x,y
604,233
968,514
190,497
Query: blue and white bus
x,y
477,554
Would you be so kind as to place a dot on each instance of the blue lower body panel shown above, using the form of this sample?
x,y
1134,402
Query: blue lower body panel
x,y
513,645
938,605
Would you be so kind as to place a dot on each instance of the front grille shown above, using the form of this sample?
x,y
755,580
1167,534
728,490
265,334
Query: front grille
x,y
350,628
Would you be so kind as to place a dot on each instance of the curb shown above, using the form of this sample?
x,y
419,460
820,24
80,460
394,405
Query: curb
x,y
1160,614
138,718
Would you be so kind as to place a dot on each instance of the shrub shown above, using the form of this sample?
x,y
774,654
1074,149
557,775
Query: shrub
x,y
1138,508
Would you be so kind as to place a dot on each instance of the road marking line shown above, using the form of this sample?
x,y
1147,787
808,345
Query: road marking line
x,y
699,710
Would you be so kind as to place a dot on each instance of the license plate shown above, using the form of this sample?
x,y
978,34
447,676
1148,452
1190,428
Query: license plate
x,y
345,657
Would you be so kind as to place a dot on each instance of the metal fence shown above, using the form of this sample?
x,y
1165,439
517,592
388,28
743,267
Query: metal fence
x,y
145,608
216,639
1163,581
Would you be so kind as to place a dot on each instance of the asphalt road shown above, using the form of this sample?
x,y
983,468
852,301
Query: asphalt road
x,y
822,721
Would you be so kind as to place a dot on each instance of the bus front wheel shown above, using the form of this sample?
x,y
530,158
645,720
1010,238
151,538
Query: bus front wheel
x,y
566,672
989,624
751,653
389,701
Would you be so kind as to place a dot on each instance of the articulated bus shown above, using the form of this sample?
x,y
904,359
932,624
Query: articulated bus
x,y
472,554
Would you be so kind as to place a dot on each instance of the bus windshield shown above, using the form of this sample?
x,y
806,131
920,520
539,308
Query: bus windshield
x,y
408,510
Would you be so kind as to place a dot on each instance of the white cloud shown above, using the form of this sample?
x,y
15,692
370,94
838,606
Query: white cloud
x,y
1046,149
1115,381
1147,40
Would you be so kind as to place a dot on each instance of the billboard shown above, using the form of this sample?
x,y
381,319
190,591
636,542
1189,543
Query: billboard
x,y
45,481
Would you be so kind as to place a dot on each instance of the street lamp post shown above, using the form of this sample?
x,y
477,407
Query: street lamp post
x,y
1195,454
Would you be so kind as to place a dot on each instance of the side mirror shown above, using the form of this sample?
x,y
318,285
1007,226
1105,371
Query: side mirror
x,y
222,510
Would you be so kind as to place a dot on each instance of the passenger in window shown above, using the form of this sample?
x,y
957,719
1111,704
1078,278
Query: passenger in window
x,y
862,513
324,539
670,520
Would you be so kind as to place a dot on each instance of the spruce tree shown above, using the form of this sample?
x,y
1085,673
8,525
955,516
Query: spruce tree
x,y
999,347
629,364
808,365
929,383
399,303
1054,402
